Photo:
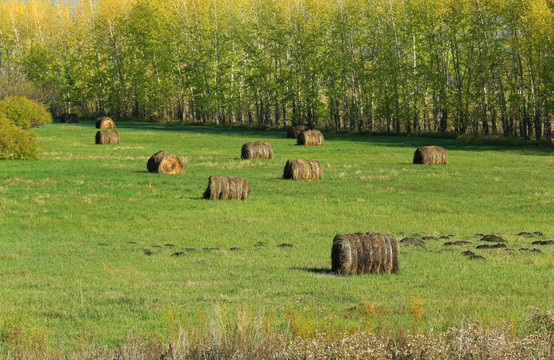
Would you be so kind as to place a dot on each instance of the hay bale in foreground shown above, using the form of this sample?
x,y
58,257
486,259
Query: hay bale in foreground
x,y
430,155
364,253
227,187
256,150
164,163
296,129
302,169
69,118
310,138
109,136
105,122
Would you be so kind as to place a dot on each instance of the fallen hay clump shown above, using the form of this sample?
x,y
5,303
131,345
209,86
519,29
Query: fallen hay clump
x,y
105,122
256,150
296,129
310,138
164,163
364,253
430,155
227,187
302,169
107,137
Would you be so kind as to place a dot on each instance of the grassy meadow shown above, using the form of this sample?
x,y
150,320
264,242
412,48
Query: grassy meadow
x,y
76,227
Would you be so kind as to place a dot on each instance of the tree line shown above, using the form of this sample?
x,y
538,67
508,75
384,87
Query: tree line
x,y
446,66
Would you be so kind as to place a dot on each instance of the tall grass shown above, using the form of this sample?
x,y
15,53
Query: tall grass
x,y
245,337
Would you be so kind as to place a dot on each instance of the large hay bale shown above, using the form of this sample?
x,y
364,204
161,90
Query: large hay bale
x,y
164,163
430,155
310,137
364,253
256,150
302,169
69,118
227,187
296,129
109,136
105,122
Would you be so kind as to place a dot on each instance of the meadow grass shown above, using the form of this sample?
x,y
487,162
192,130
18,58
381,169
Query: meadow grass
x,y
75,226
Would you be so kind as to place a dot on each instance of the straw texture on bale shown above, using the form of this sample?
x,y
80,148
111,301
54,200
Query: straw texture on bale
x,y
164,163
105,122
364,253
302,169
430,155
296,129
109,136
69,118
256,150
310,138
227,187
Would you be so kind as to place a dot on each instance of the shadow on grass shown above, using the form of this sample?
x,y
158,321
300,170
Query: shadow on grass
x,y
523,148
390,140
314,270
200,129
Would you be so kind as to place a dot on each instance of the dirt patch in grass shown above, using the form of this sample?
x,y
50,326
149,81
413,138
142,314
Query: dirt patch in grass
x,y
412,241
544,242
492,238
472,256
457,243
495,246
531,250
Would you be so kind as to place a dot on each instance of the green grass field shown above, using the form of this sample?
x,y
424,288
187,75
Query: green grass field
x,y
75,225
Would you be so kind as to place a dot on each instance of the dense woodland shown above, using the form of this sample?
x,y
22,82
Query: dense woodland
x,y
460,66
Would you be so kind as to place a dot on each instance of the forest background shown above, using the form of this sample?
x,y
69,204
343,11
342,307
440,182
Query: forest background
x,y
481,67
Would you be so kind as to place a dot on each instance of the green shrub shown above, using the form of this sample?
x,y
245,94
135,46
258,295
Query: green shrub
x,y
24,112
16,143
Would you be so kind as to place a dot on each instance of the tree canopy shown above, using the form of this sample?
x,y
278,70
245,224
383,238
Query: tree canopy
x,y
464,66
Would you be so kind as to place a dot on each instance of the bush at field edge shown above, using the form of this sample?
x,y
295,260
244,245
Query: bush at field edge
x,y
16,143
24,112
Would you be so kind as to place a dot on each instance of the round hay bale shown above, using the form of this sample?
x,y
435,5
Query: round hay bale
x,y
430,155
364,253
303,169
310,137
227,187
256,150
164,163
69,118
105,122
109,136
296,129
